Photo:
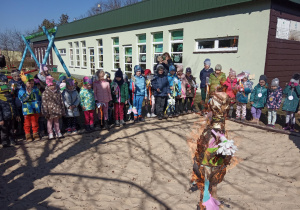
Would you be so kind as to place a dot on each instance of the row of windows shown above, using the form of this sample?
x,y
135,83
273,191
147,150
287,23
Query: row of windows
x,y
176,50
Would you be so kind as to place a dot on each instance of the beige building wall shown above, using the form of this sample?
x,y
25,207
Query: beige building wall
x,y
250,23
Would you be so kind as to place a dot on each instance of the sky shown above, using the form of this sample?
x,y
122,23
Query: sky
x,y
26,15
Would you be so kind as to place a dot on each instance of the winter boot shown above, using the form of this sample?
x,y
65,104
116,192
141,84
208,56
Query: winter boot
x,y
92,128
287,126
292,129
141,119
117,123
136,120
28,137
36,136
106,126
122,122
87,128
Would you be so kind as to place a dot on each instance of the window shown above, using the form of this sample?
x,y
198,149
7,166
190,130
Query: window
x,y
100,53
77,55
62,52
142,50
83,47
92,60
157,46
177,46
116,58
227,44
71,54
42,54
128,59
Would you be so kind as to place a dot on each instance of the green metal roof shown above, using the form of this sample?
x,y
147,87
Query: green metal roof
x,y
148,10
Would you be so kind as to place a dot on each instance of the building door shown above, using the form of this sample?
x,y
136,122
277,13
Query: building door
x,y
128,60
92,60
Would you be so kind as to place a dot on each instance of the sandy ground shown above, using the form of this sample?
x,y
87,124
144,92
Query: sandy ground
x,y
146,166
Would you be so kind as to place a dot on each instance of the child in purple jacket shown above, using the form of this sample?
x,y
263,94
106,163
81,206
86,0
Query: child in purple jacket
x,y
274,101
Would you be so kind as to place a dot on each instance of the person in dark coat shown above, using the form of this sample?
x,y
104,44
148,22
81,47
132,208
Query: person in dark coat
x,y
204,74
2,60
167,62
161,88
8,111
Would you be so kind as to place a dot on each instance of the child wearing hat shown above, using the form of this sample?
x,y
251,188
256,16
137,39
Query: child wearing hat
x,y
175,91
150,102
258,98
204,78
216,80
274,102
119,89
184,82
30,97
139,89
190,91
43,73
52,107
231,89
102,93
8,111
161,88
87,101
71,100
291,102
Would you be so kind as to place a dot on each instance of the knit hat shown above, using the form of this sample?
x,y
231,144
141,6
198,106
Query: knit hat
x,y
70,82
188,69
15,73
179,68
62,86
62,77
159,66
26,77
107,74
3,79
207,62
275,82
218,67
295,78
137,68
43,68
232,73
172,68
87,80
263,77
147,71
119,73
50,81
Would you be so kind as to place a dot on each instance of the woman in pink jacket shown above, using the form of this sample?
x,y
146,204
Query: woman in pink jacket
x,y
102,97
184,83
231,89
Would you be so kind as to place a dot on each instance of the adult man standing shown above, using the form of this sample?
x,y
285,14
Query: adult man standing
x,y
204,74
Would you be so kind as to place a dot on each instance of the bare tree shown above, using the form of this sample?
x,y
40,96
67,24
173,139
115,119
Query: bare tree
x,y
128,2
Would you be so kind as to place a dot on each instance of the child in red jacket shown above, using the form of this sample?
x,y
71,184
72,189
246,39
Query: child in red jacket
x,y
231,89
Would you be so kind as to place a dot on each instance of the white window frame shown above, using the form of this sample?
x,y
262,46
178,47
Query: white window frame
x,y
90,62
98,54
125,61
35,51
173,42
153,51
39,55
42,54
76,60
83,47
71,53
113,47
216,45
138,50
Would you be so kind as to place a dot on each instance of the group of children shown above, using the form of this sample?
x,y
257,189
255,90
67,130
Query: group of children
x,y
238,87
27,102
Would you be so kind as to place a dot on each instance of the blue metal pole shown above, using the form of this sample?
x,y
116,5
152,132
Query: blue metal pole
x,y
58,55
23,58
49,48
30,50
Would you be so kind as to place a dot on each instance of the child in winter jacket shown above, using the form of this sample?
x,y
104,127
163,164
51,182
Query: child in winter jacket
x,y
242,98
161,88
150,102
274,101
231,88
52,107
175,91
258,98
30,97
204,77
87,101
181,76
71,100
216,79
15,85
119,89
8,111
190,91
102,96
139,89
291,102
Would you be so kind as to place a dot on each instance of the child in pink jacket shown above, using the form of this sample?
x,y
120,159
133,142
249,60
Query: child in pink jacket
x,y
102,97
231,89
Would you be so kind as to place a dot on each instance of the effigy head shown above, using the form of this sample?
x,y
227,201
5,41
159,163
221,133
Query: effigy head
x,y
219,105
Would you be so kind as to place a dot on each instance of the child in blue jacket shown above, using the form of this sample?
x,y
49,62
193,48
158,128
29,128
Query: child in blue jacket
x,y
242,98
175,90
139,89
